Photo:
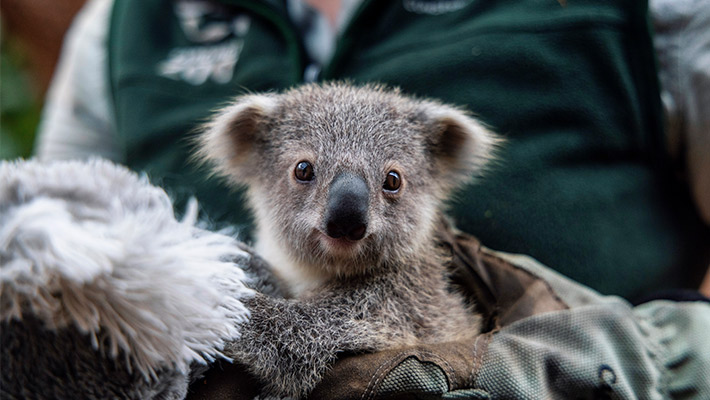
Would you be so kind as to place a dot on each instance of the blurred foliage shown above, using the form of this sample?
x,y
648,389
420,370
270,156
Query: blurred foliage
x,y
19,104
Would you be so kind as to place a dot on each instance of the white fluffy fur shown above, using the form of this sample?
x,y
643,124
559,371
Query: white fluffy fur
x,y
92,245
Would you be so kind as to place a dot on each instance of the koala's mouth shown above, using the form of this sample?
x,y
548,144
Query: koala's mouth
x,y
340,245
343,256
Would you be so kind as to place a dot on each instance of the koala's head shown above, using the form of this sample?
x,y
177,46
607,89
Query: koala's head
x,y
343,178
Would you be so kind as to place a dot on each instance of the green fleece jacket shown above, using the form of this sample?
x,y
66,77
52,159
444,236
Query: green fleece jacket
x,y
583,183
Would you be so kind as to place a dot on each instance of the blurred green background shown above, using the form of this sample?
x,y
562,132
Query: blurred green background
x,y
31,35
19,103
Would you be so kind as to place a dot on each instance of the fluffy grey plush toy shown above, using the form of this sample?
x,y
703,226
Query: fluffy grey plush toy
x,y
103,293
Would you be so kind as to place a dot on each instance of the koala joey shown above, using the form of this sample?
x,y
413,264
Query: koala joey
x,y
346,184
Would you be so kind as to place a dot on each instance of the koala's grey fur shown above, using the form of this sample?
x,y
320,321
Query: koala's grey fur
x,y
390,289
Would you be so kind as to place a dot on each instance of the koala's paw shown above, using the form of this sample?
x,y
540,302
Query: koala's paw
x,y
288,345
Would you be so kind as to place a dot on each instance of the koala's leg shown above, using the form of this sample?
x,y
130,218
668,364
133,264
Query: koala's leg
x,y
289,344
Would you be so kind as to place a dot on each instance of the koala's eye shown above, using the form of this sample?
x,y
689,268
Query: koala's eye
x,y
392,182
304,171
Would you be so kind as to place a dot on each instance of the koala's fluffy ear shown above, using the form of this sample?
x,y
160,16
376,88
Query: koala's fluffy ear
x,y
227,142
462,145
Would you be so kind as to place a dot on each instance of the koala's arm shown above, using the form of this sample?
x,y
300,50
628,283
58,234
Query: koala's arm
x,y
261,276
289,344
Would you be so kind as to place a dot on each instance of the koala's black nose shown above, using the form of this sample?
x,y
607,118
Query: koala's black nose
x,y
348,202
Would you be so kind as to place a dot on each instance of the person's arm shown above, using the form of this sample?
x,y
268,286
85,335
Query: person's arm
x,y
77,121
683,46
705,286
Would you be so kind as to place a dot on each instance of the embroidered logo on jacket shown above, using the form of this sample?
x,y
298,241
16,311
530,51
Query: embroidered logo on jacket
x,y
218,36
434,7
